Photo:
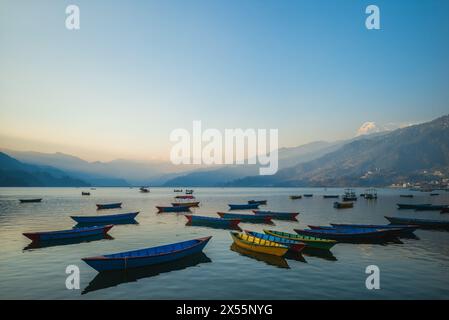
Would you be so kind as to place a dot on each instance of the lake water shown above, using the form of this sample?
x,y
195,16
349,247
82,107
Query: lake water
x,y
413,269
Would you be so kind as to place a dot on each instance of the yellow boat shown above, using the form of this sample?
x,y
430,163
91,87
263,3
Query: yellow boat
x,y
258,245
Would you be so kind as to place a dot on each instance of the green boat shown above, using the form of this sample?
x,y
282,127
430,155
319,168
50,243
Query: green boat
x,y
311,242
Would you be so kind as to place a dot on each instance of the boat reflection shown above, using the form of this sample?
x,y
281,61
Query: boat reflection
x,y
109,279
64,242
318,253
295,256
267,258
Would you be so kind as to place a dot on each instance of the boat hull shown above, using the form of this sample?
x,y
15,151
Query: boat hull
x,y
261,246
422,223
30,200
243,206
310,242
147,257
113,218
173,209
354,235
294,246
246,217
68,234
213,222
186,204
278,215
102,206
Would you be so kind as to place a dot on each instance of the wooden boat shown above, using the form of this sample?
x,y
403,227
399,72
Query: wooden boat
x,y
423,223
260,202
184,197
109,205
85,193
308,195
349,234
294,246
406,195
343,205
395,231
310,242
410,228
246,217
295,197
432,207
146,257
258,245
186,204
112,218
278,214
68,234
173,209
213,222
411,206
243,206
330,196
30,200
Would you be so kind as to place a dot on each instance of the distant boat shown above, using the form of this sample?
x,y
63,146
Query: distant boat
x,y
260,202
212,222
187,204
189,191
406,195
329,196
144,189
349,195
83,193
243,206
173,209
147,257
109,205
185,197
343,205
278,214
112,218
422,207
258,245
253,218
68,234
434,194
177,190
30,200
423,223
308,195
411,206
295,197
370,194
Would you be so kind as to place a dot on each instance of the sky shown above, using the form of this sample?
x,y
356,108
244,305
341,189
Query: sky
x,y
137,70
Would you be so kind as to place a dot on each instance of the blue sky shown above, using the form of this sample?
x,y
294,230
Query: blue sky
x,y
138,69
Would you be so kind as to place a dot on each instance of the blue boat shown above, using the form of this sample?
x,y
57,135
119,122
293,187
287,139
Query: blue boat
x,y
173,209
109,205
394,230
278,215
212,222
411,228
349,234
292,245
260,202
422,223
67,234
243,206
147,257
112,218
254,218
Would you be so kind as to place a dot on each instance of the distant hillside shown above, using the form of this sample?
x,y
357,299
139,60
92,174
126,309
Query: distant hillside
x,y
14,173
413,153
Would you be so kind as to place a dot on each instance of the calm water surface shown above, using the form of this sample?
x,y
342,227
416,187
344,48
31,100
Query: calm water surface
x,y
413,269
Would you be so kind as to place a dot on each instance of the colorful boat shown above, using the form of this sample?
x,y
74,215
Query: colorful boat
x,y
246,217
349,235
258,245
331,196
423,223
112,218
309,241
68,234
187,204
343,205
148,256
260,202
243,206
295,197
173,209
213,222
185,197
278,214
109,205
30,200
294,246
395,231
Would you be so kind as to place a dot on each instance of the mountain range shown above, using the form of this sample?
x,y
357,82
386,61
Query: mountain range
x,y
414,153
